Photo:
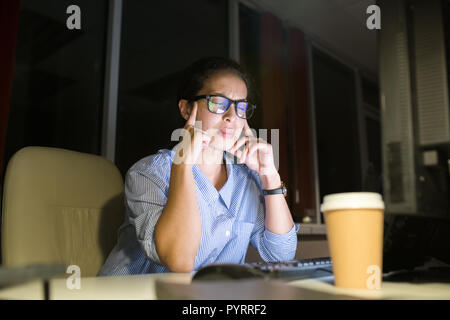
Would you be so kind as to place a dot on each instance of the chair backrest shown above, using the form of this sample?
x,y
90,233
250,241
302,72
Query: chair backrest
x,y
60,206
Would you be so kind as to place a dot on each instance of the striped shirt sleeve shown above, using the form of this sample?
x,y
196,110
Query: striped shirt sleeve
x,y
146,196
271,246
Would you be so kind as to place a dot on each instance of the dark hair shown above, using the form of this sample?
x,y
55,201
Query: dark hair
x,y
197,73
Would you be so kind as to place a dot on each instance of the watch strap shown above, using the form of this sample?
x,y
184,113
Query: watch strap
x,y
280,190
273,191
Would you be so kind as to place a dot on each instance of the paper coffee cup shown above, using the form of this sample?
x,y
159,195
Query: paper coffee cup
x,y
354,224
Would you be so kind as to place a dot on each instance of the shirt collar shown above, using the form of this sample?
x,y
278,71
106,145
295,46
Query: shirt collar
x,y
227,190
206,187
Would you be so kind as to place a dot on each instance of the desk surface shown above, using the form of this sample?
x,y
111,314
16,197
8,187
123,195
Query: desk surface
x,y
179,286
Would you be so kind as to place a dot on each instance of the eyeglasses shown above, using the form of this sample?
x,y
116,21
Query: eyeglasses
x,y
219,104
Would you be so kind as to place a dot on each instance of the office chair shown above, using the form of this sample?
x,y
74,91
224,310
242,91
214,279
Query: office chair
x,y
62,207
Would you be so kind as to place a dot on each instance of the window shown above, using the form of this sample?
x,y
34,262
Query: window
x,y
56,103
150,65
337,136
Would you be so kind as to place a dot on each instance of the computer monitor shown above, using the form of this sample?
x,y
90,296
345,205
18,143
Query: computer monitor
x,y
414,51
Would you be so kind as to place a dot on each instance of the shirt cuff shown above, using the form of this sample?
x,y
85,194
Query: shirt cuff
x,y
277,238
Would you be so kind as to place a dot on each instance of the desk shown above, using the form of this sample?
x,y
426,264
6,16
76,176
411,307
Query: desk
x,y
178,286
131,287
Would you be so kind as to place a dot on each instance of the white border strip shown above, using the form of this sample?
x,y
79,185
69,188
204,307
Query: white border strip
x,y
312,115
108,148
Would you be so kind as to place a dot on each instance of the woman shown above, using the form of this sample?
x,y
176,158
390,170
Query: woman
x,y
193,205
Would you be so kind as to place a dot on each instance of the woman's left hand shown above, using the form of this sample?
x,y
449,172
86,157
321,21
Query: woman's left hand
x,y
257,153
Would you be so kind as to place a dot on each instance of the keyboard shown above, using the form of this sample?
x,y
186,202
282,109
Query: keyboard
x,y
295,269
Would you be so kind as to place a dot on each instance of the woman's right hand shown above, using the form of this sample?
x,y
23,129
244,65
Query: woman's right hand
x,y
193,141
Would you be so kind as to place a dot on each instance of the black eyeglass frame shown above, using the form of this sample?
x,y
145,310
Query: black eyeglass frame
x,y
235,102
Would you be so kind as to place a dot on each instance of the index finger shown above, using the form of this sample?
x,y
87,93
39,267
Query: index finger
x,y
191,120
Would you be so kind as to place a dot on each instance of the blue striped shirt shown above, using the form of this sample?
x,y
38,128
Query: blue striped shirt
x,y
231,218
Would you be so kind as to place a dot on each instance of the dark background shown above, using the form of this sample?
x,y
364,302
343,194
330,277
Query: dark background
x,y
59,75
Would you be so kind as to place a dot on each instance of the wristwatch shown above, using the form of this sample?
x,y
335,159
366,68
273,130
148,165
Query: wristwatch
x,y
281,190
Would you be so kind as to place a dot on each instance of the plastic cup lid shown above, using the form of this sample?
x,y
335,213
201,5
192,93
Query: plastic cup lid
x,y
352,200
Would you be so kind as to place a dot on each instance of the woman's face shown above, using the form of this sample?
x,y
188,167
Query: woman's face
x,y
227,127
